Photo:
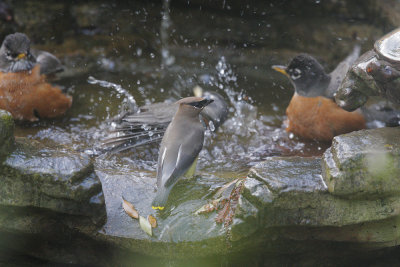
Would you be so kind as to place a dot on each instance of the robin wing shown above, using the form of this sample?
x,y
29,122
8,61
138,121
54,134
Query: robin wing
x,y
175,161
338,74
49,63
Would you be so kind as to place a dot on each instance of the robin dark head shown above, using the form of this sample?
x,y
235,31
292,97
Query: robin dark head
x,y
306,74
15,54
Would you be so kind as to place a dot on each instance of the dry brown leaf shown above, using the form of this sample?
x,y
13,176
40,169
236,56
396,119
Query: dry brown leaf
x,y
152,221
130,209
209,207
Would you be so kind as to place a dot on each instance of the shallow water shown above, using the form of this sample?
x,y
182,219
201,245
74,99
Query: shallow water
x,y
256,95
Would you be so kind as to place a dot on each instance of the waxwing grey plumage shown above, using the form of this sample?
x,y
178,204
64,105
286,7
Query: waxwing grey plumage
x,y
150,123
180,146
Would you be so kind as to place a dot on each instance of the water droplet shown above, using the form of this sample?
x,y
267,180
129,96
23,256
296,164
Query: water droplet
x,y
211,126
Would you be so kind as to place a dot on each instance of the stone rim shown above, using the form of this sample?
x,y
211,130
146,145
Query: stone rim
x,y
388,47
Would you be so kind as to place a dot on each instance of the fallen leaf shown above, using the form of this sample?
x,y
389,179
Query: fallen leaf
x,y
145,225
226,190
130,209
152,221
207,208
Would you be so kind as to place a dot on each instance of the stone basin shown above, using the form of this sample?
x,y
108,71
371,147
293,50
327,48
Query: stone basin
x,y
59,206
284,203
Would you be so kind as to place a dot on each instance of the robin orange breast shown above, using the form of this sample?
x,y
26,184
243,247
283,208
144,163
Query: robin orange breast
x,y
24,91
312,112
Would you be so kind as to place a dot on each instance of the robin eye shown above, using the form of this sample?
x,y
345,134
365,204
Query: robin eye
x,y
296,74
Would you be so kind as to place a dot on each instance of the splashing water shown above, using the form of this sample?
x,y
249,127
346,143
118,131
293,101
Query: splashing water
x,y
167,58
130,99
246,137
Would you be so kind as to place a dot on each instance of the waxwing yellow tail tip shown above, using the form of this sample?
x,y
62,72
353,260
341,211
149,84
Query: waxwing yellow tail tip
x,y
157,208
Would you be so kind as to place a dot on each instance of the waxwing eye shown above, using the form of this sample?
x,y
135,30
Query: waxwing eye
x,y
295,74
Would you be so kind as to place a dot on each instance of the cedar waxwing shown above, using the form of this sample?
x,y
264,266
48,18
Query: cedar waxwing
x,y
180,147
149,124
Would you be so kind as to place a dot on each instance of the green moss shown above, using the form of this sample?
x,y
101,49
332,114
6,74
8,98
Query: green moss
x,y
7,142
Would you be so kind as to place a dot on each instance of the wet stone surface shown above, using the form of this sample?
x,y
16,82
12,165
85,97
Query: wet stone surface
x,y
303,200
364,164
375,73
176,225
290,174
7,143
283,198
62,181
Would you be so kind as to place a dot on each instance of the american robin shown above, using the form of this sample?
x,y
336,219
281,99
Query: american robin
x,y
312,113
149,124
6,12
180,147
24,91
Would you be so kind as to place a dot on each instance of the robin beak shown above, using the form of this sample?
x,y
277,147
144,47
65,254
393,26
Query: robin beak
x,y
21,56
281,69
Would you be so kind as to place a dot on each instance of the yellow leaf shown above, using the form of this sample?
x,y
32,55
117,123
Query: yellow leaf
x,y
145,225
